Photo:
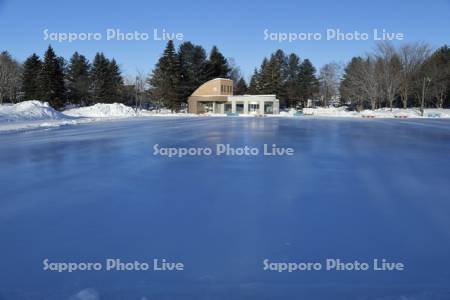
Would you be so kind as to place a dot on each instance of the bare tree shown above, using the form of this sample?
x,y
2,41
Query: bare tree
x,y
412,56
362,83
10,77
235,71
329,78
370,83
139,86
389,71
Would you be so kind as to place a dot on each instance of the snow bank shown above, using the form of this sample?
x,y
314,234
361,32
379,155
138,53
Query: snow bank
x,y
29,111
437,112
290,113
378,113
33,114
165,113
102,110
394,113
330,112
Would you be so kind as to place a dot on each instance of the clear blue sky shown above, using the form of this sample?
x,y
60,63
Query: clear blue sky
x,y
237,28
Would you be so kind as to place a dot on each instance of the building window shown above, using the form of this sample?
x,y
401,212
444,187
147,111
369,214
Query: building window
x,y
268,108
253,108
240,108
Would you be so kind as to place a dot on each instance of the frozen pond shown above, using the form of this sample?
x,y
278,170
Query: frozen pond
x,y
354,190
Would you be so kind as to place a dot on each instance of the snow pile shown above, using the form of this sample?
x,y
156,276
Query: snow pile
x,y
31,115
29,111
437,113
290,113
165,113
386,112
378,113
102,110
330,112
406,113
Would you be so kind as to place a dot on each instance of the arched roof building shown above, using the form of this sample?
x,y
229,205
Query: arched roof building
x,y
216,96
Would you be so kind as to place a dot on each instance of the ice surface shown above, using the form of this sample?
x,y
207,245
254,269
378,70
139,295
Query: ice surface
x,y
355,189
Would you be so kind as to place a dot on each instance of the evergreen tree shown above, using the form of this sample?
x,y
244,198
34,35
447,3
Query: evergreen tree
x,y
99,78
51,80
218,65
254,88
200,65
350,89
309,85
273,75
193,66
106,80
437,69
241,87
265,77
165,79
114,82
292,85
78,78
31,70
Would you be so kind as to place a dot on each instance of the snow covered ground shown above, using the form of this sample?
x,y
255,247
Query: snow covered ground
x,y
32,114
378,113
37,114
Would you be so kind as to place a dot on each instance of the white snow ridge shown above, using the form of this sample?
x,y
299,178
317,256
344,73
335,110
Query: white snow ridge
x,y
29,111
102,110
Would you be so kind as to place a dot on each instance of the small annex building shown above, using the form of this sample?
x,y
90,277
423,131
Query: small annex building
x,y
216,97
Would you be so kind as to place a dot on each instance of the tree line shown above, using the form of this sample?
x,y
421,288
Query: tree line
x,y
57,81
405,76
179,72
292,80
411,75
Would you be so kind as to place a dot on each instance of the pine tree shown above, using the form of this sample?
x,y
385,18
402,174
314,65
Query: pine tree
x,y
309,84
165,79
254,88
106,80
78,79
278,65
437,69
99,78
218,65
51,80
241,87
31,70
292,85
200,65
115,82
265,77
193,66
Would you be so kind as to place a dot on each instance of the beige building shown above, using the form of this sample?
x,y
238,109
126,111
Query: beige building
x,y
216,96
